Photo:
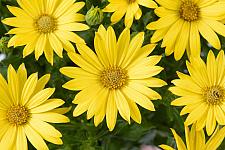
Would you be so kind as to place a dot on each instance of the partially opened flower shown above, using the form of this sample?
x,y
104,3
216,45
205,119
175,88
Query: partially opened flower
x,y
202,92
129,8
196,140
182,22
116,78
45,26
25,109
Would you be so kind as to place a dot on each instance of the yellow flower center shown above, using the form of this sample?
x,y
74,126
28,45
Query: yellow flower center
x,y
45,24
131,1
214,95
189,11
114,77
17,115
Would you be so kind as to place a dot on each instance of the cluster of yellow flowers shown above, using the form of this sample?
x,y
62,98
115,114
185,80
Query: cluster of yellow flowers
x,y
118,74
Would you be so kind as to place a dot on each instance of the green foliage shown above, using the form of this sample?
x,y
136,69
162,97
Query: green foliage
x,y
81,134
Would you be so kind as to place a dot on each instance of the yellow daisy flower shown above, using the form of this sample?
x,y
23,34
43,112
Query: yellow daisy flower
x,y
116,78
182,22
202,92
195,140
129,8
45,26
25,109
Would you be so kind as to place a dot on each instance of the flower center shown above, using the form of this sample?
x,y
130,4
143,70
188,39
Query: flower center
x,y
45,24
214,95
114,77
189,11
17,115
131,1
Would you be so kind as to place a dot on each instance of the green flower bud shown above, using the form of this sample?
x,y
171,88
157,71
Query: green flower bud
x,y
3,45
94,16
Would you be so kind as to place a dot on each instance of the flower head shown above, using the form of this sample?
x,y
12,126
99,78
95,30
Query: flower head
x,y
129,8
45,26
182,22
116,78
202,92
25,109
195,140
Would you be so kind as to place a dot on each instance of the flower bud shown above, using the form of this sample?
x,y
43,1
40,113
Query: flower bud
x,y
3,45
94,16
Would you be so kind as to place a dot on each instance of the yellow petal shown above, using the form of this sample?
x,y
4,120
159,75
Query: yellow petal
x,y
122,105
29,88
13,83
122,45
170,4
6,102
111,111
62,110
196,114
76,72
89,55
56,44
73,27
41,127
117,15
179,141
209,34
47,106
51,117
80,61
41,83
139,98
195,40
134,111
166,147
182,41
40,46
21,140
8,139
149,4
133,49
34,138
40,97
163,22
22,75
210,121
215,141
151,94
98,103
48,51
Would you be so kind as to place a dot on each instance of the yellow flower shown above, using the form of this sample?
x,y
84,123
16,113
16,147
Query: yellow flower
x,y
45,26
25,109
195,140
115,78
181,21
202,92
129,8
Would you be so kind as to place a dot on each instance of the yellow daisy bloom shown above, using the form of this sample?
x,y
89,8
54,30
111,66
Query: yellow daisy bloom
x,y
45,26
25,109
129,8
182,22
195,140
202,92
116,78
